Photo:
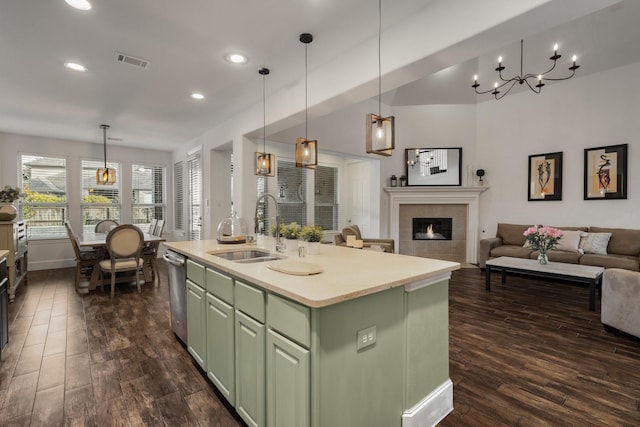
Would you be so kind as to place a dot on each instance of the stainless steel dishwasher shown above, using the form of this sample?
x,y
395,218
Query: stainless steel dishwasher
x,y
177,293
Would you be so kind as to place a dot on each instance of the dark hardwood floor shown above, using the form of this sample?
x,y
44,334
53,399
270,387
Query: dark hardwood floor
x,y
526,353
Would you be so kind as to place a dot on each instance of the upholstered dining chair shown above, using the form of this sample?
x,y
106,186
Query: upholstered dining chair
x,y
152,226
85,258
150,252
105,225
124,244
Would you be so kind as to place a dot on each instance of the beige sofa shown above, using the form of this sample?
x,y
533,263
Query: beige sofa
x,y
387,245
622,248
620,306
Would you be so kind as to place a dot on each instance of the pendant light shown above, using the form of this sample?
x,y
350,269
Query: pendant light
x,y
306,150
105,175
265,162
380,130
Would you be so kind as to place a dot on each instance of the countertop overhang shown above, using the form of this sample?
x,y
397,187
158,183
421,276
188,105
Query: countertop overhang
x,y
347,273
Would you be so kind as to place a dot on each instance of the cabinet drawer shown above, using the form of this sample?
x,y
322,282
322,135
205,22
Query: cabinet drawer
x,y
250,300
220,285
195,273
290,319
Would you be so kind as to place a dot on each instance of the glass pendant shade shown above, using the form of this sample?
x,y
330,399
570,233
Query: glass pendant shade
x,y
265,164
105,176
380,134
306,153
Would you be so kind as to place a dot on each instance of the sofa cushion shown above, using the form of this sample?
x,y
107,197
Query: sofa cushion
x,y
623,241
611,261
594,243
569,241
512,234
515,251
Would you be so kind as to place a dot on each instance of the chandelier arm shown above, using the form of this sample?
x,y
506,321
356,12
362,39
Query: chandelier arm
x,y
573,72
506,82
526,76
506,91
533,88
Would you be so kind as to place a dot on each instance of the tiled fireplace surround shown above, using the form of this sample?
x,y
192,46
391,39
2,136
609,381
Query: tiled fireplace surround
x,y
459,203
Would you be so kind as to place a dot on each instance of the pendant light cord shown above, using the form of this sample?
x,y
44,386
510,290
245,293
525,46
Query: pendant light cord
x,y
306,94
264,116
104,142
379,60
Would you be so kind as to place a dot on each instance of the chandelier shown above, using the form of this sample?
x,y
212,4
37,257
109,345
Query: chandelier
x,y
537,79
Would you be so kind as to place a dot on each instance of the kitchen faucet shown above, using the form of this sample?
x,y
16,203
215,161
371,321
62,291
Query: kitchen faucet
x,y
280,247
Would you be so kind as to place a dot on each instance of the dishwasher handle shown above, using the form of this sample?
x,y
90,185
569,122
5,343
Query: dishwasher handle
x,y
173,260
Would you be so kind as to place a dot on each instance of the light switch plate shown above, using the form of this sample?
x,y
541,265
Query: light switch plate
x,y
366,338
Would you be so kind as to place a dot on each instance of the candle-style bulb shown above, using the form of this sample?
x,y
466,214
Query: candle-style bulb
x,y
555,48
475,77
574,59
499,59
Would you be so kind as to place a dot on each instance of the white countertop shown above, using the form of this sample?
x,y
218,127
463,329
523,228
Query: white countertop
x,y
347,273
3,253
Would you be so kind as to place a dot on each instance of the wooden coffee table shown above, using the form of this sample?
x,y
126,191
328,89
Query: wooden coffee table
x,y
553,270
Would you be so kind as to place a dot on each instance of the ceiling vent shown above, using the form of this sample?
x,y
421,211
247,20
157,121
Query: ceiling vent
x,y
132,60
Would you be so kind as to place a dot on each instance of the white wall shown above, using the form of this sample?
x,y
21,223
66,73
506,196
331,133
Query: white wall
x,y
592,111
57,253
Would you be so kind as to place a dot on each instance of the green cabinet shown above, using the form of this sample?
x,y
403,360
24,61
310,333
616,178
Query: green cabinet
x,y
196,323
288,382
250,369
220,346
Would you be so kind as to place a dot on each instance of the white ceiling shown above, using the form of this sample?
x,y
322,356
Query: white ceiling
x,y
185,42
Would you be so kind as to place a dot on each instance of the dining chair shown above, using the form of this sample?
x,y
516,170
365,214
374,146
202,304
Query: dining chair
x,y
105,225
150,252
152,226
85,258
124,244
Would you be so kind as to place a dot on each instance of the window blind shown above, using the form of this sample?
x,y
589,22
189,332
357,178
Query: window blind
x,y
178,198
326,197
195,189
99,201
147,185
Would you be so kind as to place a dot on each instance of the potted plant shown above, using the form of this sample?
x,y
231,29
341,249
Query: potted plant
x,y
291,232
8,195
312,234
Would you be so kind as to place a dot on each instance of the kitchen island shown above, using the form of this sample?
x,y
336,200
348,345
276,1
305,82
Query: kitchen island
x,y
363,343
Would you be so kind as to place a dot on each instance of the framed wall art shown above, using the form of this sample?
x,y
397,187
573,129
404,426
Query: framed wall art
x,y
605,172
545,177
434,166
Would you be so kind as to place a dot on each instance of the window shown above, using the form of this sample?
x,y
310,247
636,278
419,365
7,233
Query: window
x,y
292,193
147,185
326,197
44,207
99,201
195,189
178,198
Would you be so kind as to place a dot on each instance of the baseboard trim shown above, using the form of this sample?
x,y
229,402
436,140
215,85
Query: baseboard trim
x,y
432,409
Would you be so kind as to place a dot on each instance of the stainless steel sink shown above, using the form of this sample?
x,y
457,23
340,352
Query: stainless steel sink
x,y
246,255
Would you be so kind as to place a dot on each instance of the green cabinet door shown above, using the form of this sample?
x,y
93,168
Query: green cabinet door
x,y
288,382
196,323
220,346
250,369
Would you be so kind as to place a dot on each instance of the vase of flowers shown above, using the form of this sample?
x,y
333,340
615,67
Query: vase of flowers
x,y
313,235
542,239
8,195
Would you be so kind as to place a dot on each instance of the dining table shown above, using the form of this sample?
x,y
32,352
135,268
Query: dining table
x,y
98,241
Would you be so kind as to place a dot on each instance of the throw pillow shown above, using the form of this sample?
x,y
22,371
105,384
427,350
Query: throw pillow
x,y
594,243
570,241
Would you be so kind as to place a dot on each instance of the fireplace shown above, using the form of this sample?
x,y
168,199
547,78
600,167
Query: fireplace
x,y
432,228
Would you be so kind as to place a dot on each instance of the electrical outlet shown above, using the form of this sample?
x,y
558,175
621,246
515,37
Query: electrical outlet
x,y
366,338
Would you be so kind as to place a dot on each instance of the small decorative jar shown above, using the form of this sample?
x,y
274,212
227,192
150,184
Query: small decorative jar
x,y
8,212
394,181
403,181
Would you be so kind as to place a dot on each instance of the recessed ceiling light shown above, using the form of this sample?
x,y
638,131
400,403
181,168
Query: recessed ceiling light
x,y
236,58
197,95
75,67
79,4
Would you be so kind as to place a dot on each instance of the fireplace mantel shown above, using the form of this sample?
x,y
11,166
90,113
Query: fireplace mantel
x,y
469,196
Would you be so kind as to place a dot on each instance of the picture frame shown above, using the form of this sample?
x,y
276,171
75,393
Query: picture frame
x,y
605,172
434,166
545,177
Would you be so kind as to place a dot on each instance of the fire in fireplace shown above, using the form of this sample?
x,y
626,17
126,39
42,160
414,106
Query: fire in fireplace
x,y
432,228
